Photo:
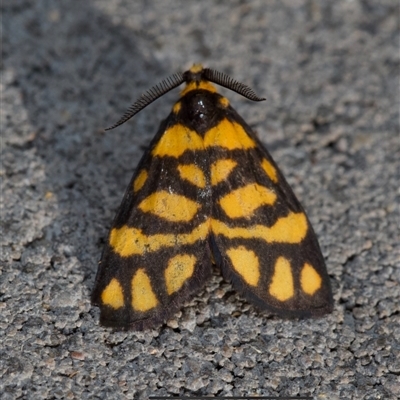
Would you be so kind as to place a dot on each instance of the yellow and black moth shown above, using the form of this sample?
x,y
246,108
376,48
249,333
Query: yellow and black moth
x,y
207,192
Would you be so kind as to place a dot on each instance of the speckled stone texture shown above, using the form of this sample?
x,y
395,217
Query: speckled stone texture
x,y
330,73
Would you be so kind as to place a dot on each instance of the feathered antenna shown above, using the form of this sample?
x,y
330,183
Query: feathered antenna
x,y
148,97
224,80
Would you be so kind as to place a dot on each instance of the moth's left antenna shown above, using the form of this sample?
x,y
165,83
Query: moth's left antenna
x,y
148,97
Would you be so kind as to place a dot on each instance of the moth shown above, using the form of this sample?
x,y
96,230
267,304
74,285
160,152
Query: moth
x,y
205,192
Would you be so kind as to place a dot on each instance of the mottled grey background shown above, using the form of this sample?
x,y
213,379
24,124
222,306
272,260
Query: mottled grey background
x,y
330,73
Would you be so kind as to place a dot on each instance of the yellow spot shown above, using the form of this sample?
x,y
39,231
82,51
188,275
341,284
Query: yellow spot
x,y
229,135
289,229
177,107
193,174
224,102
243,201
48,195
143,297
112,295
176,140
310,279
281,286
270,170
127,241
196,68
140,180
221,169
245,263
196,85
180,269
172,207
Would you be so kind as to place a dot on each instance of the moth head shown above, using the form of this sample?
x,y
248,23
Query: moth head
x,y
195,77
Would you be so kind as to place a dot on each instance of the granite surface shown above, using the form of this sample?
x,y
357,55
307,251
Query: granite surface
x,y
330,73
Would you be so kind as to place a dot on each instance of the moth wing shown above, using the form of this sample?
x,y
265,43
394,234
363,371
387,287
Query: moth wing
x,y
261,237
157,254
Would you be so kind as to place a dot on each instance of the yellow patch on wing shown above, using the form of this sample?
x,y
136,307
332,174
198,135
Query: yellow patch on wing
x,y
244,201
180,269
143,296
140,180
229,135
113,295
245,262
126,241
176,140
193,174
169,206
310,279
281,286
205,85
270,170
221,169
290,229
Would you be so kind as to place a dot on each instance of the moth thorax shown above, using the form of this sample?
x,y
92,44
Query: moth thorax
x,y
200,108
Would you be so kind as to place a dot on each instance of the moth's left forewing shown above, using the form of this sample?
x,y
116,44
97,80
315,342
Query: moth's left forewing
x,y
261,236
157,254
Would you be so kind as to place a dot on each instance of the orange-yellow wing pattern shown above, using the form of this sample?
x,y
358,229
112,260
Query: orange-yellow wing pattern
x,y
261,236
157,253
